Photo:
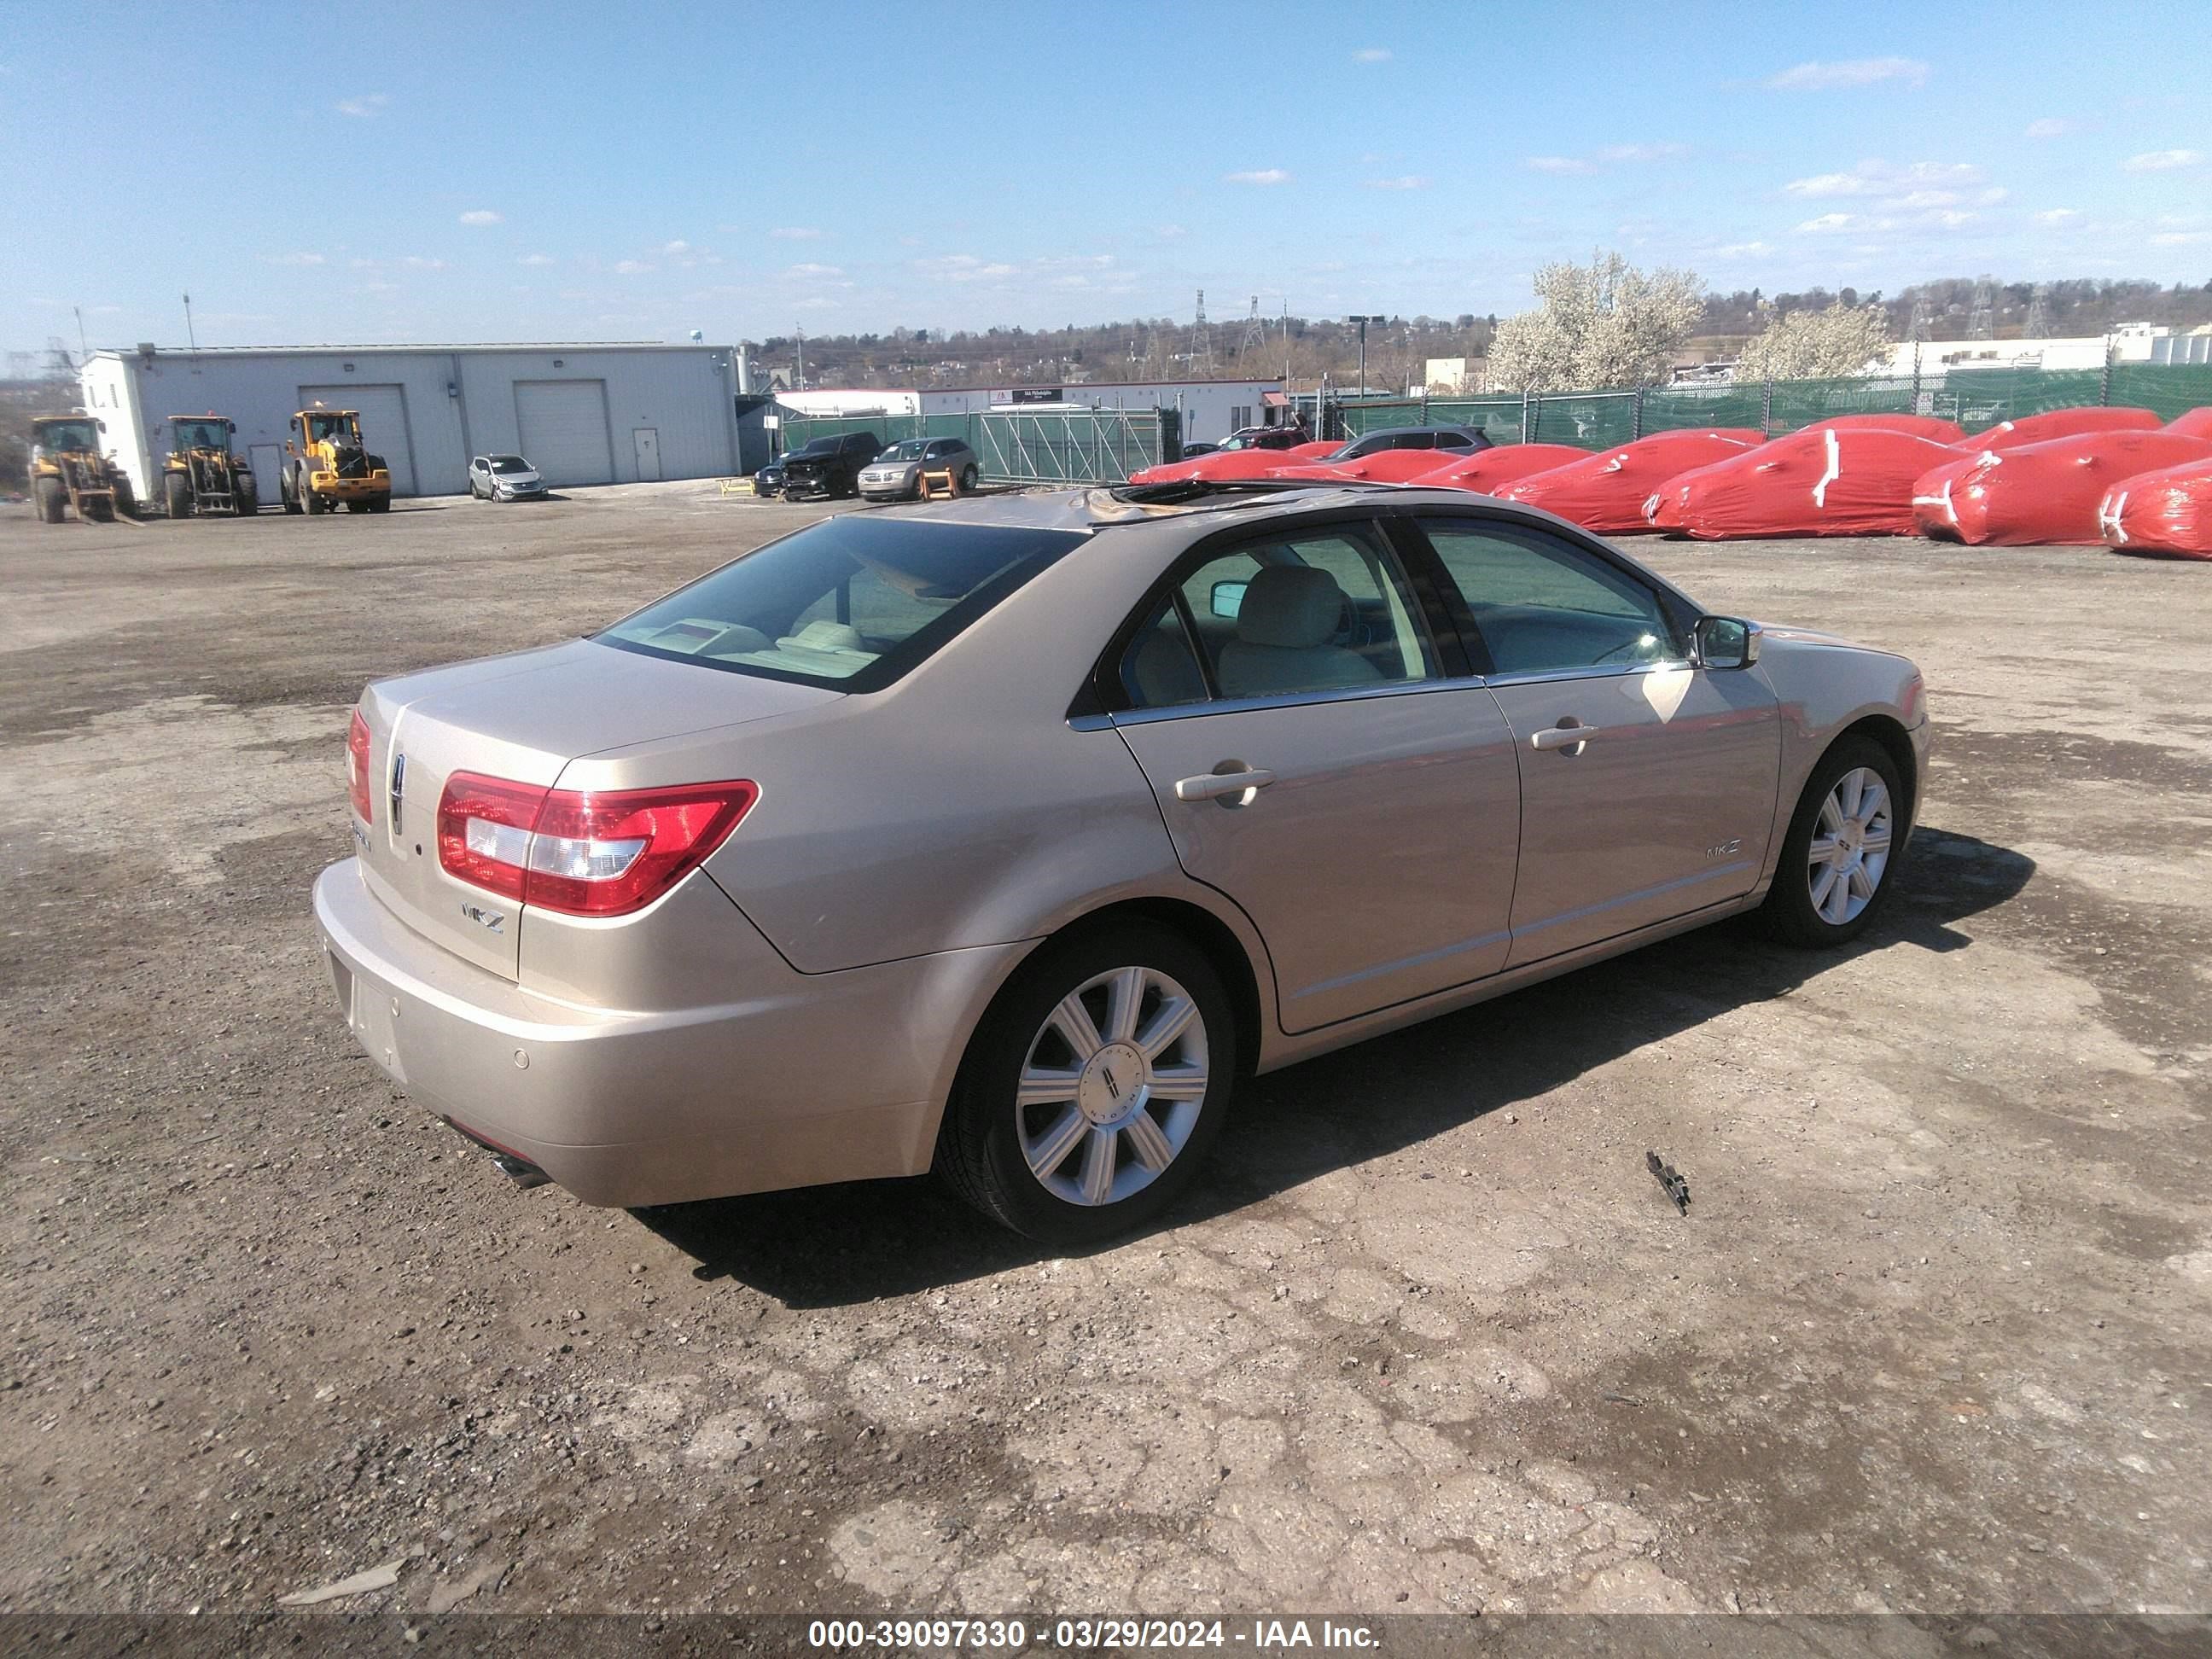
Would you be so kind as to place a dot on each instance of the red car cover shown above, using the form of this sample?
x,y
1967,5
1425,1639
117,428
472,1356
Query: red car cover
x,y
1486,472
1385,466
2047,492
1830,481
2198,423
2061,423
2165,512
1220,463
1606,492
1920,426
1312,451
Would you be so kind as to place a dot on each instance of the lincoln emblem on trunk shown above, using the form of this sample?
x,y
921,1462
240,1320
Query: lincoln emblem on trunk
x,y
398,788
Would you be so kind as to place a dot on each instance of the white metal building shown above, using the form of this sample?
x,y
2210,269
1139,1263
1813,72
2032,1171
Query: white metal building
x,y
582,414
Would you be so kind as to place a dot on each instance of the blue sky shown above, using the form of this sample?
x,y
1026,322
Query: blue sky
x,y
599,172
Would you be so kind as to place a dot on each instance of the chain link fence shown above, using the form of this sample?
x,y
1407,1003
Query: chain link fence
x,y
1039,445
1974,397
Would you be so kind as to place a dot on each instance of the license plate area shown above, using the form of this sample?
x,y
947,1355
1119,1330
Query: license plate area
x,y
373,1016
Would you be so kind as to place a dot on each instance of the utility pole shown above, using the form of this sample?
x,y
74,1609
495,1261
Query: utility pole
x,y
799,360
193,338
1371,317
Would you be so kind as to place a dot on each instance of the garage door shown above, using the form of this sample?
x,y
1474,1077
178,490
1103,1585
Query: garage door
x,y
383,424
563,425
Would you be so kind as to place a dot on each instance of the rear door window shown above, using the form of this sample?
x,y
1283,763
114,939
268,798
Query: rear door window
x,y
1544,605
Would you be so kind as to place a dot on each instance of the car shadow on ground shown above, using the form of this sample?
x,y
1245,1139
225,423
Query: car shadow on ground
x,y
833,1245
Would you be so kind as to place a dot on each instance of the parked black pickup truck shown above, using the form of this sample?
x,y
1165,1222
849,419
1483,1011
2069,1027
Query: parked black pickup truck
x,y
830,466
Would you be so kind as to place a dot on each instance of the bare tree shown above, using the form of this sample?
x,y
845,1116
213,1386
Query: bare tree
x,y
1816,345
1603,325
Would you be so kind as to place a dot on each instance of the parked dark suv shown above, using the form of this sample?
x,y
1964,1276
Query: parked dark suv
x,y
1455,440
829,467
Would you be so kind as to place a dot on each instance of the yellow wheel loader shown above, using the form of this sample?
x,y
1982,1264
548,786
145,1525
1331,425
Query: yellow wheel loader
x,y
202,474
68,471
326,464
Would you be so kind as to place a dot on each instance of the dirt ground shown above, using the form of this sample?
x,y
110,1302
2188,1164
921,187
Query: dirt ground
x,y
1936,1334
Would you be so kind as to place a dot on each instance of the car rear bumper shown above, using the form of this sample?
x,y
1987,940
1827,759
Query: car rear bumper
x,y
801,1080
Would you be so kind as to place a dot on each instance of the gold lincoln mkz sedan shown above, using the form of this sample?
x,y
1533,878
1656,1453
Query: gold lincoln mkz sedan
x,y
1001,837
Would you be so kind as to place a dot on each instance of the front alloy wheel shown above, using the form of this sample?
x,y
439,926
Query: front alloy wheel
x,y
1093,1087
1839,858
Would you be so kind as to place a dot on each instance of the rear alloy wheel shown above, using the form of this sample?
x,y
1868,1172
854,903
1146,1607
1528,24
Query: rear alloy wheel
x,y
1094,1087
1839,858
968,480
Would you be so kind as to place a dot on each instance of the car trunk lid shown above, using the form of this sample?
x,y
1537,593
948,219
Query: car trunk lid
x,y
521,717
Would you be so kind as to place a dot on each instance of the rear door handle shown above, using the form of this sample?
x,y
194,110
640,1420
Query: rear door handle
x,y
1213,786
1562,737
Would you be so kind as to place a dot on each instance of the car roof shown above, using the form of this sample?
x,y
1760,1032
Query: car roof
x,y
1253,500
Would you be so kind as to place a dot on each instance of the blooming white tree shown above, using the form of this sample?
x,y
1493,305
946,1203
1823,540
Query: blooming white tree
x,y
1816,345
1603,325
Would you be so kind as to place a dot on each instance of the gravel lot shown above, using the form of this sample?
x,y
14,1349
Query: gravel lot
x,y
1937,1335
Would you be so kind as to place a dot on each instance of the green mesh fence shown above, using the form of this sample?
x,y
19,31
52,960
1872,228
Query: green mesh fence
x,y
1974,397
1036,445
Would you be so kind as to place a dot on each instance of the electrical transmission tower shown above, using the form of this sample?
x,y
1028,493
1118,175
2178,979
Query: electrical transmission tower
x,y
2038,312
1202,343
1256,333
1982,322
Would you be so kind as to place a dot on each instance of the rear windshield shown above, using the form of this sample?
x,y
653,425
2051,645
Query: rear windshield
x,y
851,603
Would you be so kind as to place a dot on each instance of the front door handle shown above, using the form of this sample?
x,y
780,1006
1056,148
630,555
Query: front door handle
x,y
1243,781
1563,736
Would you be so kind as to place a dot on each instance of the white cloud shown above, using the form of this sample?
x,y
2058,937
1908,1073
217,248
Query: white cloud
x,y
631,268
1563,164
361,108
1258,176
2049,127
796,233
1743,249
1169,232
964,268
1404,181
1849,72
1659,152
417,262
1828,221
535,259
1371,55
2057,215
676,249
2163,161
814,271
481,216
296,260
1879,181
2181,238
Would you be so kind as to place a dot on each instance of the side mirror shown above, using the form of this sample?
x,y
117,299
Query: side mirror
x,y
1228,598
1725,642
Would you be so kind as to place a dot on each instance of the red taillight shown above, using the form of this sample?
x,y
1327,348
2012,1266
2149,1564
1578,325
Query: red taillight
x,y
585,852
357,766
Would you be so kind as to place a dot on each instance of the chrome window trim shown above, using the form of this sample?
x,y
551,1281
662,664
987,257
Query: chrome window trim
x,y
1364,692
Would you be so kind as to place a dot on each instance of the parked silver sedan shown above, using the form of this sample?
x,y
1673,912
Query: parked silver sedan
x,y
1001,837
895,475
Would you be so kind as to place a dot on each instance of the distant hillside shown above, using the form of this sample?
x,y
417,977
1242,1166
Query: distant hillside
x,y
1143,348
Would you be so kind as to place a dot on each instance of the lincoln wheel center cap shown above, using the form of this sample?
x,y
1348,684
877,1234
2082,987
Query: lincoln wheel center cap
x,y
1112,1083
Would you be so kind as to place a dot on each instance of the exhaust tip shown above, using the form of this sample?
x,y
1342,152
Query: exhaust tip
x,y
523,1173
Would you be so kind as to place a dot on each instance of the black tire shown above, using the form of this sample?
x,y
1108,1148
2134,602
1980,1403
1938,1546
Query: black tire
x,y
979,1148
176,495
98,510
246,498
124,503
380,503
1790,914
53,500
288,493
968,479
356,506
315,505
